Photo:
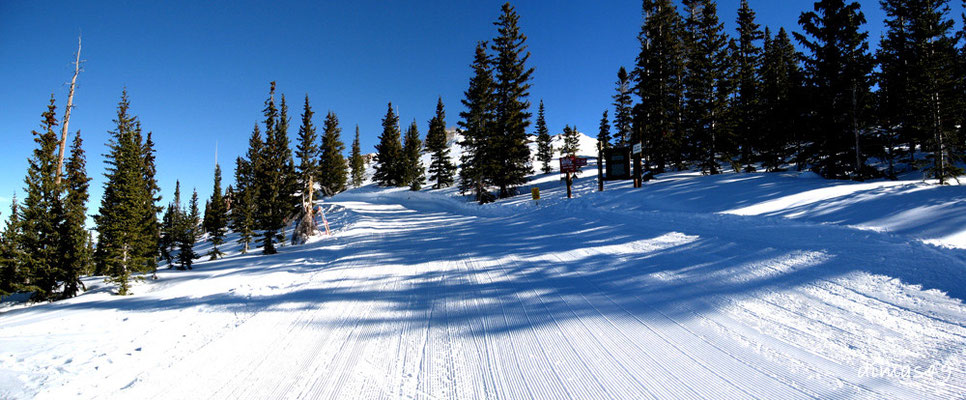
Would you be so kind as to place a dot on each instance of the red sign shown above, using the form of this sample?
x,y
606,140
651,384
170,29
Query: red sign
x,y
571,164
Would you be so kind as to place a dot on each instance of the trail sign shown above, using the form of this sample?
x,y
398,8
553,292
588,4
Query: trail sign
x,y
637,148
571,164
535,193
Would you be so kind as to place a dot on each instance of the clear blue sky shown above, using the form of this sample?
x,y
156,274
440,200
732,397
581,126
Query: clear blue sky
x,y
197,72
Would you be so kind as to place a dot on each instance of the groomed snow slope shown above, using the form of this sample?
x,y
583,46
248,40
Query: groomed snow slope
x,y
687,288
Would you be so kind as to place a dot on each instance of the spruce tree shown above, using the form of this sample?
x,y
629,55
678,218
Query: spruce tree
x,y
412,149
603,133
389,154
11,276
781,80
658,74
571,141
894,111
709,86
170,223
333,171
511,166
243,210
477,124
122,246
152,195
623,107
441,168
357,163
187,234
747,66
42,215
933,88
74,254
274,178
218,216
307,152
838,67
544,145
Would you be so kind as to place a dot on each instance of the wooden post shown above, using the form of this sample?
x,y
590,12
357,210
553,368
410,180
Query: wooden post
x,y
70,105
600,166
570,181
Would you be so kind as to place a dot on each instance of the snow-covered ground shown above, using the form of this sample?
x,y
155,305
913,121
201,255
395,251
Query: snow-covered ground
x,y
733,286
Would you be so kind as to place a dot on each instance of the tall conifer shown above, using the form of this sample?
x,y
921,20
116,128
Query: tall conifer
x,y
544,145
333,171
478,127
389,154
75,257
623,107
412,149
441,168
218,216
357,163
512,77
747,102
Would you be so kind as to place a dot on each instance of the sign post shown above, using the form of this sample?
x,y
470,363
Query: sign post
x,y
600,166
571,165
637,165
535,193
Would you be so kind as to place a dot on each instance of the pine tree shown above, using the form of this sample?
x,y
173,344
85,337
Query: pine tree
x,y
412,149
748,64
170,223
11,276
74,254
894,111
658,73
838,69
933,87
243,210
218,221
275,178
709,86
188,234
544,145
357,163
477,125
150,209
603,134
389,154
781,80
441,168
122,246
623,107
512,86
41,215
571,141
333,171
307,152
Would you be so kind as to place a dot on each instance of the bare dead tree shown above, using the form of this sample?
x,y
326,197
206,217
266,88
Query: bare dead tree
x,y
70,105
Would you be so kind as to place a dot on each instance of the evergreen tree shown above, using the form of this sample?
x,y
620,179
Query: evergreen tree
x,y
74,254
11,276
838,69
894,111
412,148
218,220
357,163
41,216
187,234
389,154
709,86
748,64
151,227
124,246
170,223
333,171
243,210
603,134
933,87
307,152
512,86
274,177
477,125
544,145
571,141
623,107
658,73
441,168
781,79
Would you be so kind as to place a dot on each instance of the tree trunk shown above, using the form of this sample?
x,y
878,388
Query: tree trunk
x,y
70,105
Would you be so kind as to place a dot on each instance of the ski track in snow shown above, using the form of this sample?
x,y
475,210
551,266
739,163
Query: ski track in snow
x,y
416,296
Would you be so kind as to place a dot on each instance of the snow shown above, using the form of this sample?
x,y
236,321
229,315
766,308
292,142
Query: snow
x,y
730,286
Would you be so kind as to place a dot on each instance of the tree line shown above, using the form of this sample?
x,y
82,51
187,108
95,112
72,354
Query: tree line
x,y
698,97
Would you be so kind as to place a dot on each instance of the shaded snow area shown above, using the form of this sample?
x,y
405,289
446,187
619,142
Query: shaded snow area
x,y
739,286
